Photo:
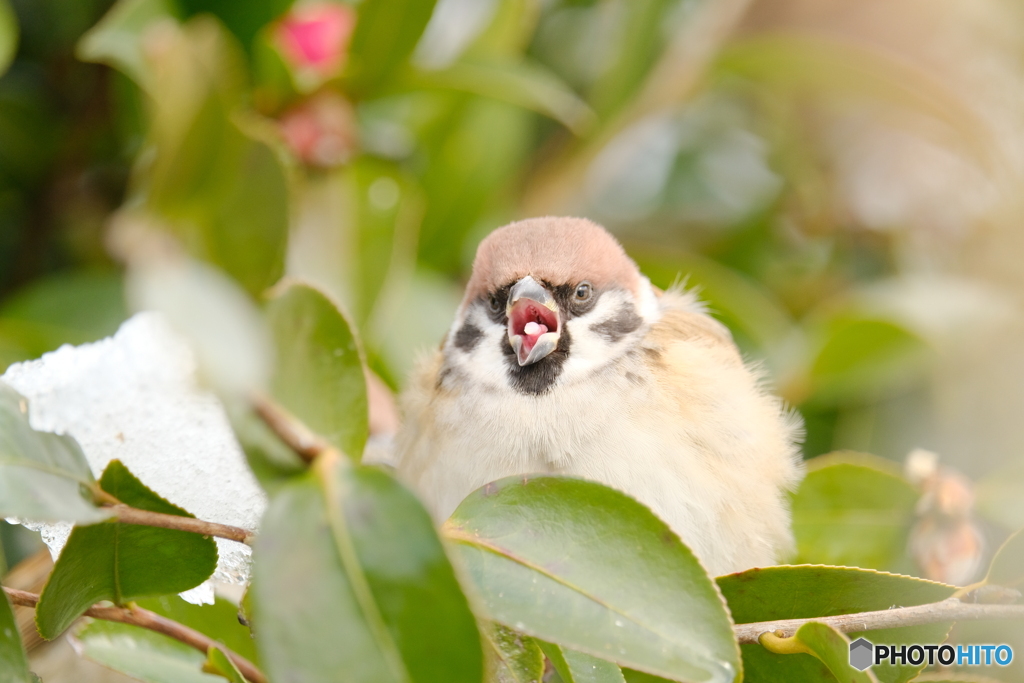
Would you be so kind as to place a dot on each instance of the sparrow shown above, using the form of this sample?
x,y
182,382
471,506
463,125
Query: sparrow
x,y
564,359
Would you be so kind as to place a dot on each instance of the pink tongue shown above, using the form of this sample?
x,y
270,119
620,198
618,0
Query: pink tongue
x,y
533,329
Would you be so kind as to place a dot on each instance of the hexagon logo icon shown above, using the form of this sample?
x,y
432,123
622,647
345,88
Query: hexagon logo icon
x,y
861,654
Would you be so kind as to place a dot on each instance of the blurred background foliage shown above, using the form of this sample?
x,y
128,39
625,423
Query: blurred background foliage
x,y
840,180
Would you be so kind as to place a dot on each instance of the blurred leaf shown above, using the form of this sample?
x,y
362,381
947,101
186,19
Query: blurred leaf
x,y
1007,568
224,194
142,654
228,334
319,373
8,36
853,509
827,645
587,567
513,657
13,660
390,208
775,593
520,83
860,359
117,40
641,27
219,621
70,308
43,476
468,162
386,33
122,562
576,667
1000,497
350,581
219,663
244,19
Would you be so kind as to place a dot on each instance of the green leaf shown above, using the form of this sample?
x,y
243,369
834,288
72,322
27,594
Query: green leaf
x,y
272,461
43,476
588,568
386,33
827,645
859,359
70,308
142,654
13,660
576,667
1007,568
8,35
513,657
219,621
122,562
220,663
853,509
224,194
117,39
521,83
351,582
319,375
806,592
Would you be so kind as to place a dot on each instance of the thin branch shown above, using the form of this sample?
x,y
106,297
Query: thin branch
x,y
290,430
129,515
137,616
950,609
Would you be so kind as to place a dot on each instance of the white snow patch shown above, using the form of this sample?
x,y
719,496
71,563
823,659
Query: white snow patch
x,y
135,397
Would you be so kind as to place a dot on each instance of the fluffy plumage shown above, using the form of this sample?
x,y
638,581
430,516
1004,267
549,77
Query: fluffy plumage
x,y
637,389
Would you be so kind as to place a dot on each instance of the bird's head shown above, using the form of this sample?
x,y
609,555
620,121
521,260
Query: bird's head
x,y
550,300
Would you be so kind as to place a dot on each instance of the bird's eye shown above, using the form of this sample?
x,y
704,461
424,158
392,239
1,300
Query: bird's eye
x,y
584,291
494,304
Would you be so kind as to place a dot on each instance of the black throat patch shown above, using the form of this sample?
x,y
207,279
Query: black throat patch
x,y
536,378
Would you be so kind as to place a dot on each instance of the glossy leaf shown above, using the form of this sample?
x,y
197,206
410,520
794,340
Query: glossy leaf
x,y
122,562
43,476
795,592
319,372
520,83
219,621
513,657
386,33
350,581
1007,568
8,35
586,567
13,660
576,667
219,663
142,654
117,40
827,645
855,510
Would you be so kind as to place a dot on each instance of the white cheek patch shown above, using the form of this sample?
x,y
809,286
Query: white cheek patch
x,y
484,363
591,349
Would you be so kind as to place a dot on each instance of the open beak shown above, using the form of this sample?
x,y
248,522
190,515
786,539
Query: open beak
x,y
534,325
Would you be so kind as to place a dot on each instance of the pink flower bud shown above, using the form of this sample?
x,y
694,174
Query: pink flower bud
x,y
314,37
322,130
